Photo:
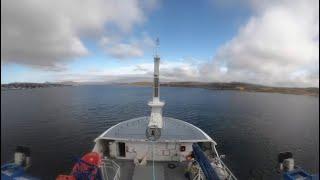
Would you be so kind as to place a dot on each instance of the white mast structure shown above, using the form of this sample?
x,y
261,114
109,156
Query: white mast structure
x,y
156,121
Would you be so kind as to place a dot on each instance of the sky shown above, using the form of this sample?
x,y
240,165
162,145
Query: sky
x,y
268,42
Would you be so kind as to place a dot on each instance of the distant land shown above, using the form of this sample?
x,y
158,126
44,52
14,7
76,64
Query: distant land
x,y
26,85
236,86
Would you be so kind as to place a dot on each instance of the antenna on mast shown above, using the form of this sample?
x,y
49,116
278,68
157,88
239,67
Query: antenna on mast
x,y
157,45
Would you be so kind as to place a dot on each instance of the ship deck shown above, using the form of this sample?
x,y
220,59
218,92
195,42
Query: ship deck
x,y
129,171
173,130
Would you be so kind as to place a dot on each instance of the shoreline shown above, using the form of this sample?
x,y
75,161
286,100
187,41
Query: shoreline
x,y
241,87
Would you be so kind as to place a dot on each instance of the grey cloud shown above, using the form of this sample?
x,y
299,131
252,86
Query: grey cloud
x,y
46,33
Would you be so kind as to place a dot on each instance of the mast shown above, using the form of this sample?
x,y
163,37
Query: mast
x,y
156,121
156,73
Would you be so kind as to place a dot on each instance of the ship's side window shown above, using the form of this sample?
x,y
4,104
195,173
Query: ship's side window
x,y
122,149
182,148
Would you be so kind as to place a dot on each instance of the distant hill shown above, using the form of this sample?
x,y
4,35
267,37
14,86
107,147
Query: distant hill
x,y
26,85
68,83
237,86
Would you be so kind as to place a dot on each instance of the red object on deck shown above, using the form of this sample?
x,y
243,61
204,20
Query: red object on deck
x,y
89,164
65,177
93,159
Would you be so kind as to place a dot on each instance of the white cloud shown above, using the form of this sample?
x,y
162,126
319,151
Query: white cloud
x,y
274,47
169,71
43,33
125,50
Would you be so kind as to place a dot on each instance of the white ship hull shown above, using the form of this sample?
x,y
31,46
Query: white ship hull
x,y
128,154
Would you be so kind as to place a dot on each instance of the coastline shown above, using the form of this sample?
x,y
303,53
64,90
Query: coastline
x,y
235,86
21,86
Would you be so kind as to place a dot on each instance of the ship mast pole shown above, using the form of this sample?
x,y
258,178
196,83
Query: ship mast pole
x,y
156,73
156,120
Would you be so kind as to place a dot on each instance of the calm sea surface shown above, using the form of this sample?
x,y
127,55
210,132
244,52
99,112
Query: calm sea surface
x,y
250,128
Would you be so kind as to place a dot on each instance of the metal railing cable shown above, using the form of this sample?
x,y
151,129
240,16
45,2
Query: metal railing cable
x,y
153,171
110,164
